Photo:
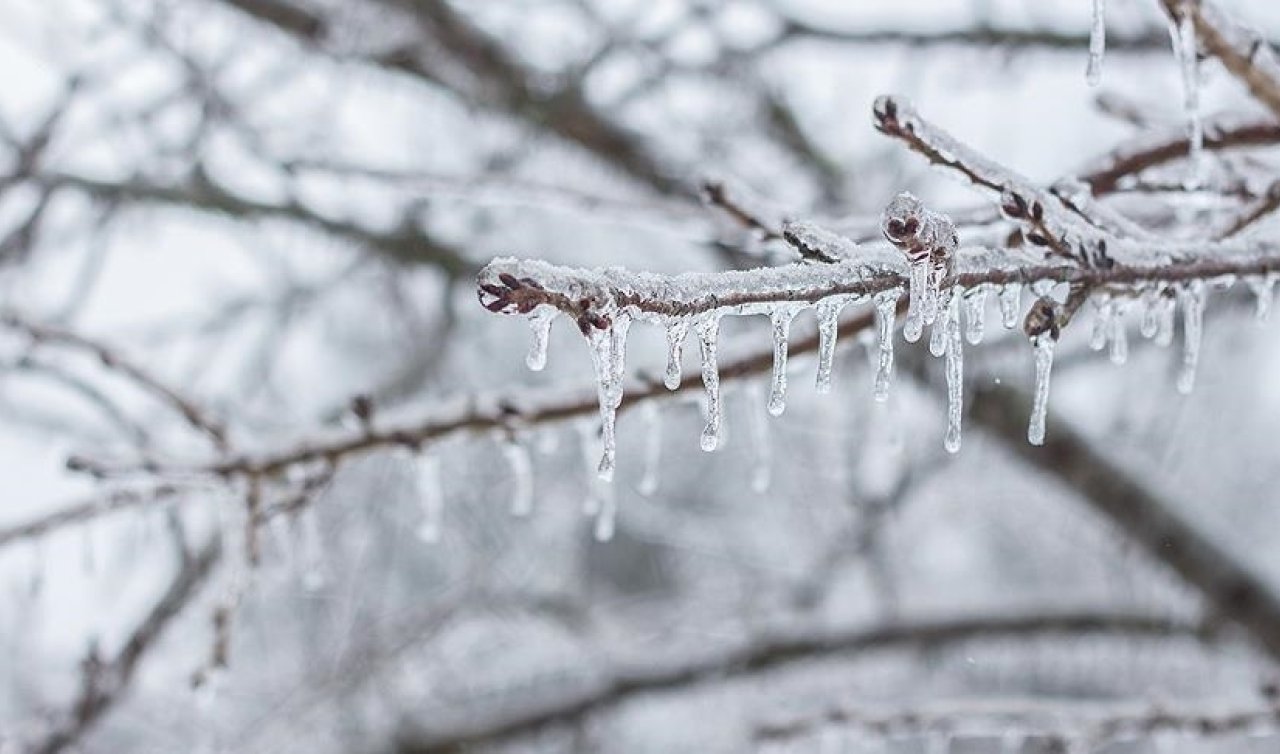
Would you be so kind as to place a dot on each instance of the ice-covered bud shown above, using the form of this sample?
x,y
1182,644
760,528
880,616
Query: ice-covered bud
x,y
1041,319
884,113
904,225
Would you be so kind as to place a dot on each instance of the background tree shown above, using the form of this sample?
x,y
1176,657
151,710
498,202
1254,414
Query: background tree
x,y
277,482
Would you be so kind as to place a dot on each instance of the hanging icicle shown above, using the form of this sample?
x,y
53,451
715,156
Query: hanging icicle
x,y
1183,31
521,467
540,323
651,413
1118,334
828,312
886,304
1263,287
1043,345
1097,42
955,374
780,319
1010,304
677,330
975,314
1192,298
608,354
708,328
430,496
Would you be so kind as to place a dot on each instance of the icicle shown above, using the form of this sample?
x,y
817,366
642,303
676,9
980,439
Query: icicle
x,y
517,456
677,329
955,375
607,516
1192,297
762,473
828,312
886,311
917,294
540,323
781,320
975,314
1117,334
1043,345
1164,328
653,448
1150,312
1184,48
608,353
939,336
1102,313
313,555
1097,42
1263,287
708,331
1010,304
430,497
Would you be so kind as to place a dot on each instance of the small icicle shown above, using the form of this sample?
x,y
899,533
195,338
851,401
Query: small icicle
x,y
1043,345
762,473
975,314
1192,298
955,375
781,320
1150,312
917,294
1184,47
606,517
1263,287
1097,42
939,336
1164,328
652,415
828,311
677,330
540,323
430,496
1118,334
521,467
1010,304
886,312
708,329
1102,313
608,353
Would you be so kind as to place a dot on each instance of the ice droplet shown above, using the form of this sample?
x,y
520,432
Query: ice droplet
x,y
1097,42
708,328
521,468
781,321
677,330
540,323
1010,304
886,304
1192,298
975,313
828,311
430,496
1043,345
652,414
955,375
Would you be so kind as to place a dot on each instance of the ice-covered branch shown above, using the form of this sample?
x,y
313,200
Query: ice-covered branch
x,y
105,681
767,655
189,410
1073,726
1141,511
106,504
1242,50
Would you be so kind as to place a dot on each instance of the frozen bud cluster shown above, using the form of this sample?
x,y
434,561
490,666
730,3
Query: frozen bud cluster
x,y
929,241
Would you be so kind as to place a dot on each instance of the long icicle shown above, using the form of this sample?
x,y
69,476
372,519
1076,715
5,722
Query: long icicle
x,y
1043,345
955,374
828,311
708,332
886,311
1192,298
